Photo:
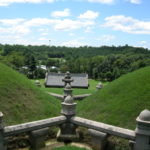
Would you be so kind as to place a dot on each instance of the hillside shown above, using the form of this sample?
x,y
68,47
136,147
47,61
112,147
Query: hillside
x,y
21,100
120,102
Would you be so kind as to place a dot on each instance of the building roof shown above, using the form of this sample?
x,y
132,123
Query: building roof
x,y
80,80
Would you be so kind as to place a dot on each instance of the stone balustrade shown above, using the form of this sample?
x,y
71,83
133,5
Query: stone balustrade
x,y
105,128
35,125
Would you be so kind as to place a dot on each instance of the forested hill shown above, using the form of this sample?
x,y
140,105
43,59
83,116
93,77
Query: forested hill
x,y
103,63
67,52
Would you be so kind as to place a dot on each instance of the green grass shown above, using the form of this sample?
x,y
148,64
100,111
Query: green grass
x,y
21,100
76,91
121,101
69,148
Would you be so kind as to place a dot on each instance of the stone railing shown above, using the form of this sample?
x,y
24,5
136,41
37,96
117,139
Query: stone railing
x,y
68,123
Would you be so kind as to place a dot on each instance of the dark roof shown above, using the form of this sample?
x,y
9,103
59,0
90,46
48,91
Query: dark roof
x,y
55,80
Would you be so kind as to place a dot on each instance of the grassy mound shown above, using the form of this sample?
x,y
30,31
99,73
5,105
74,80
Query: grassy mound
x,y
21,100
120,102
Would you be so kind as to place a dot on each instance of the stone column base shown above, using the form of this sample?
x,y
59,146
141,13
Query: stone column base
x,y
67,138
98,139
37,138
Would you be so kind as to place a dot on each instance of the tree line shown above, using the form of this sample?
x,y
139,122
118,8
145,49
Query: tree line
x,y
102,63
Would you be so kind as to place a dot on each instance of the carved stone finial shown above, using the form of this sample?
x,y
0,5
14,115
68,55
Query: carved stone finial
x,y
67,78
145,115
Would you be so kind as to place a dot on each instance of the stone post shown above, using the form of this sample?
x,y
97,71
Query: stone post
x,y
2,146
142,140
37,138
98,140
67,131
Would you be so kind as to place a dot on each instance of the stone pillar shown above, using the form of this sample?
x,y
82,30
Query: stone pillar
x,y
2,141
99,139
67,131
142,140
37,138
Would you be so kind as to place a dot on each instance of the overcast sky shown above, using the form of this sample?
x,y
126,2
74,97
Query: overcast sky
x,y
75,22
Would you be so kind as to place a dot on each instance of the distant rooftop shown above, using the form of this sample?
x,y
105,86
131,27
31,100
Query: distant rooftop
x,y
55,80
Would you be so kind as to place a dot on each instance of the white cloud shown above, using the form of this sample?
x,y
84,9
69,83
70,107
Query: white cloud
x,y
22,26
64,13
106,38
43,39
73,43
135,1
68,24
44,34
89,15
102,1
89,29
127,24
11,21
25,29
8,2
35,22
14,39
143,42
71,34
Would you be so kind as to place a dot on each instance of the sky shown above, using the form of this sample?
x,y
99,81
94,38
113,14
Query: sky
x,y
75,22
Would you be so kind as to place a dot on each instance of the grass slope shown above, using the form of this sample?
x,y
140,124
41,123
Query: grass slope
x,y
120,102
21,100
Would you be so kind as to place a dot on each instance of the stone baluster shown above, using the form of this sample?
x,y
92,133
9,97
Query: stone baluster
x,y
2,141
142,140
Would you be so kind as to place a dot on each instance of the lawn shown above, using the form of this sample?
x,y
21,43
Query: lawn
x,y
69,148
76,91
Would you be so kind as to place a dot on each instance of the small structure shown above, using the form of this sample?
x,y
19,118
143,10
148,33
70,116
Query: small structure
x,y
99,86
37,83
42,67
56,80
